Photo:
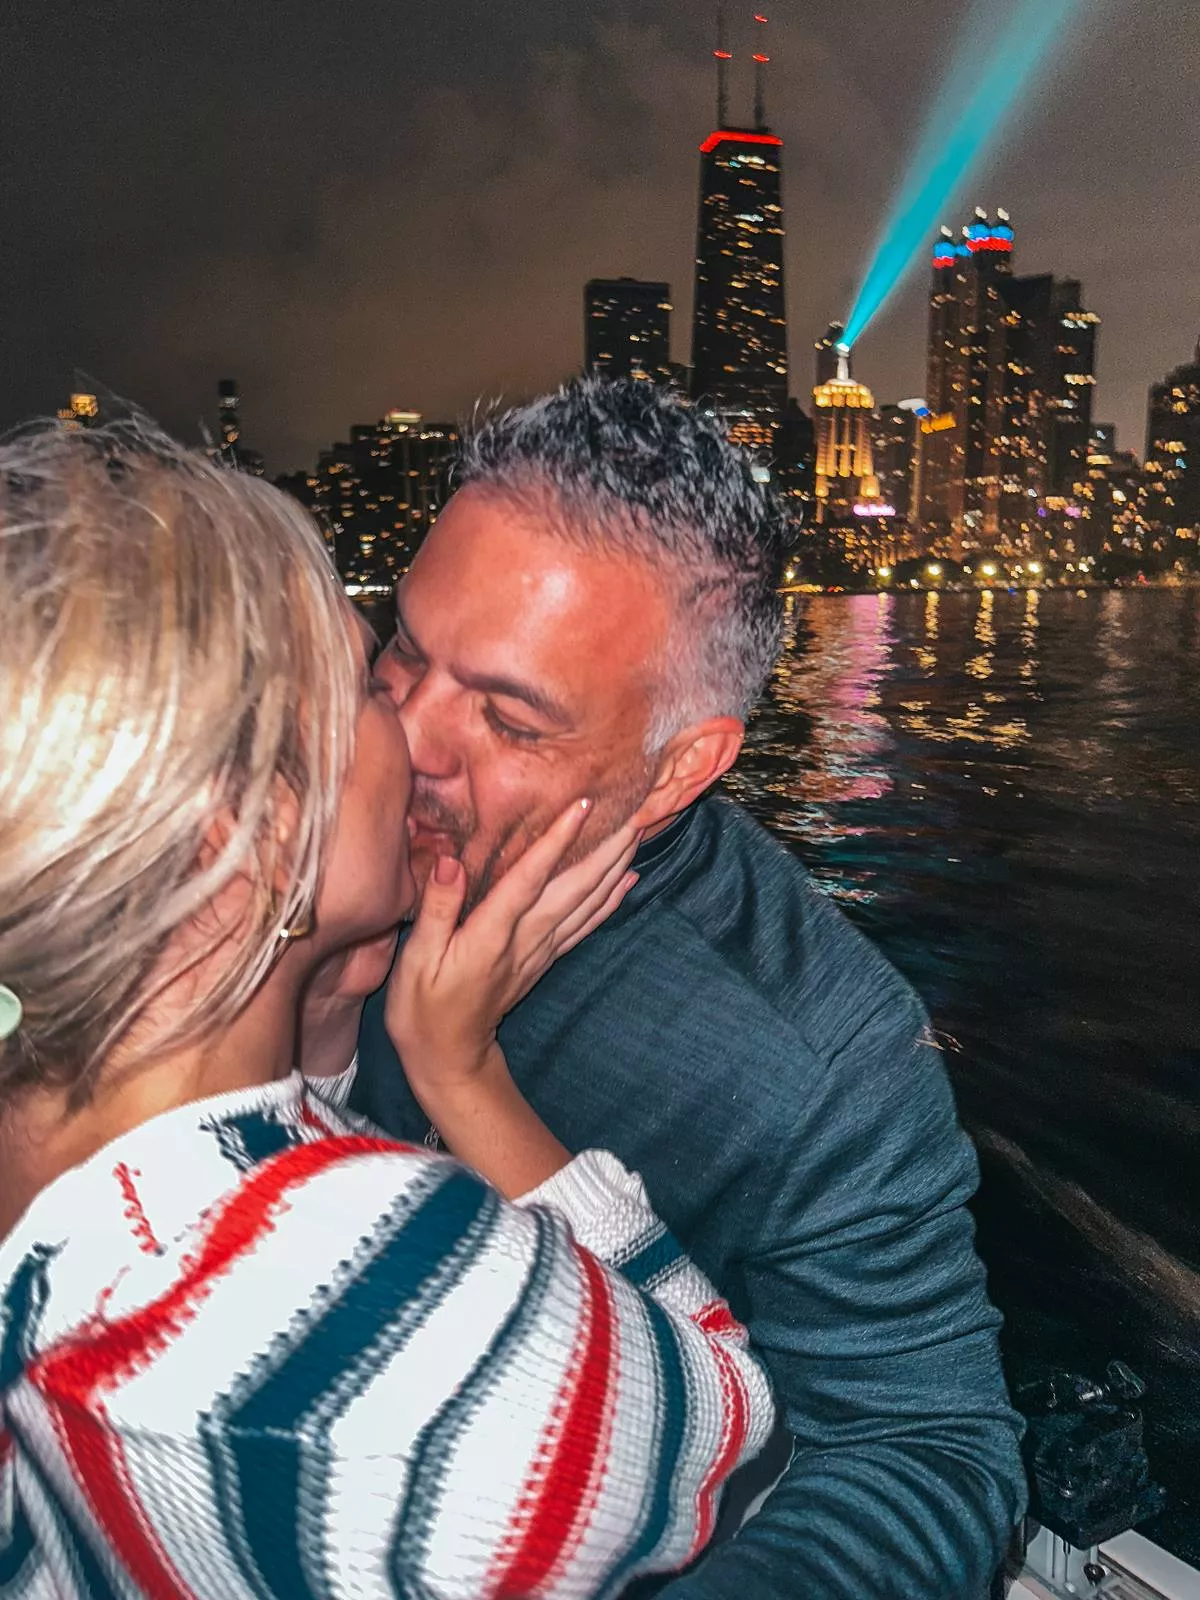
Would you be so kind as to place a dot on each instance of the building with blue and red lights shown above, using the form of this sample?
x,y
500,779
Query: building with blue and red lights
x,y
965,305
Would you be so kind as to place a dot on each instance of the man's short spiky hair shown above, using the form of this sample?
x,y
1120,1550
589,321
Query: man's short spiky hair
x,y
634,468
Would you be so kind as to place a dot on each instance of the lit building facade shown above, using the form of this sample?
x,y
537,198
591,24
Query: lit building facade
x,y
378,493
1039,418
845,473
739,320
229,403
739,328
964,307
1111,495
793,462
230,449
1172,499
895,431
81,411
627,329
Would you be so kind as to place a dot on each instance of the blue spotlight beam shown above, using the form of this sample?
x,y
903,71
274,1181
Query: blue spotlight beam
x,y
974,101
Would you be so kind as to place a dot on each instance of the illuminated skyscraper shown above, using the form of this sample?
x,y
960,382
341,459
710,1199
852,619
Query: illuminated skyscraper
x,y
894,434
1112,498
231,449
964,306
793,461
1038,416
1173,452
627,328
83,411
378,493
739,328
842,417
229,408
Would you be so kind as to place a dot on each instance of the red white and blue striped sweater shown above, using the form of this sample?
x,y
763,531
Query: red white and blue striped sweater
x,y
253,1348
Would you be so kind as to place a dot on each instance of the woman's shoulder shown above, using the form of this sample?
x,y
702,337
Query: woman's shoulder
x,y
260,1190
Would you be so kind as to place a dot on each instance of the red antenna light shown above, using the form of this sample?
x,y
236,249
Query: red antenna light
x,y
761,58
723,56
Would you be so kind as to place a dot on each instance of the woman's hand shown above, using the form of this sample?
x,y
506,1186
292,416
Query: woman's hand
x,y
453,984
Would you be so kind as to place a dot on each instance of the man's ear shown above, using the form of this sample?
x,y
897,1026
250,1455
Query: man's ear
x,y
691,761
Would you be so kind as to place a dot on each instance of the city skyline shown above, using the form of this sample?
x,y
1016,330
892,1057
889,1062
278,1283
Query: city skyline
x,y
423,259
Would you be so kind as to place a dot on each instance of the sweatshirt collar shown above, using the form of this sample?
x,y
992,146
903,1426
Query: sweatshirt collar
x,y
659,860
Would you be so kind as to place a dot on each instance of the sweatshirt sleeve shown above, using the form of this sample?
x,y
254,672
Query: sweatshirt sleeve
x,y
441,1392
692,1402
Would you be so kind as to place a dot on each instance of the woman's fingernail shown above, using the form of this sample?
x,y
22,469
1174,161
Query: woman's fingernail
x,y
445,870
585,805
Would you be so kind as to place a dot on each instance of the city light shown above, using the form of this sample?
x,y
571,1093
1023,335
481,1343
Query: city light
x,y
934,569
1035,567
984,81
988,569
721,137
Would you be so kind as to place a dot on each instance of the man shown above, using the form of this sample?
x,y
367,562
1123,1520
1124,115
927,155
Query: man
x,y
594,613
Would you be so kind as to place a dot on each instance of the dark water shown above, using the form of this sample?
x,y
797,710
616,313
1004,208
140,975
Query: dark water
x,y
1004,792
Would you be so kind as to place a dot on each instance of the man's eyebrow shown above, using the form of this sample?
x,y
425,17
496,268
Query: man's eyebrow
x,y
513,689
497,683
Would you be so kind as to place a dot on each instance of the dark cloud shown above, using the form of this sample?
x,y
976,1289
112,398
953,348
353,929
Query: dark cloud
x,y
357,206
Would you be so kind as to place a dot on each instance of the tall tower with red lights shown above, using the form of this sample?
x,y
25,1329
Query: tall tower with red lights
x,y
965,308
739,320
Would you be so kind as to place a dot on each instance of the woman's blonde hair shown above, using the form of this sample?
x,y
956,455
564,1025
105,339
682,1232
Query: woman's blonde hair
x,y
176,664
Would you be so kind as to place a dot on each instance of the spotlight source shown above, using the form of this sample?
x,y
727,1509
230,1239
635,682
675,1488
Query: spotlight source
x,y
985,80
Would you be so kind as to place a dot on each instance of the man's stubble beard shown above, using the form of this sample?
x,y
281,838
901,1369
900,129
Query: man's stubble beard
x,y
609,812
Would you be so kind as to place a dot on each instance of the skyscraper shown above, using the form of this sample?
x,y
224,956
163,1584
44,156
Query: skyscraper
x,y
378,493
964,306
1038,415
793,461
627,328
842,416
1111,496
739,328
82,411
229,403
231,450
894,434
1173,452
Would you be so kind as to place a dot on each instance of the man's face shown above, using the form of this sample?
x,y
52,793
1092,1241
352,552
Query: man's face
x,y
524,670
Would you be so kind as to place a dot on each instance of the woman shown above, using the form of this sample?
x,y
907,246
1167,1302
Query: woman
x,y
245,1347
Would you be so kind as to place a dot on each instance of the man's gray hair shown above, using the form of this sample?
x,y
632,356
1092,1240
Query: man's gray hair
x,y
633,468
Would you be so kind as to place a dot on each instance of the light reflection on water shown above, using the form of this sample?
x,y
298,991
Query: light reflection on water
x,y
1004,791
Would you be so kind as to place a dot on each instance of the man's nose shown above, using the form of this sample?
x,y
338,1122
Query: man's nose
x,y
427,717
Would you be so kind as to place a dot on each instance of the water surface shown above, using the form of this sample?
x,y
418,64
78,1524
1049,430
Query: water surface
x,y
1004,791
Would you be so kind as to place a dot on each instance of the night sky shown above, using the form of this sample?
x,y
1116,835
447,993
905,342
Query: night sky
x,y
356,206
